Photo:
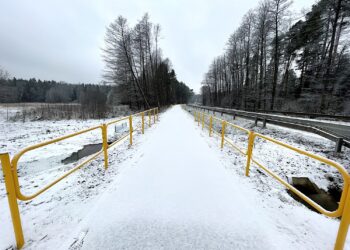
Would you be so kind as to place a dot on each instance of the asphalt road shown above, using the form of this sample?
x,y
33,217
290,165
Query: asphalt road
x,y
340,130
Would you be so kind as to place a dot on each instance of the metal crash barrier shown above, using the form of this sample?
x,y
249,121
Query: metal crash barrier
x,y
343,210
9,166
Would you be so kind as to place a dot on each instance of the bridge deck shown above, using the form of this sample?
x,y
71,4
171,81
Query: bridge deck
x,y
178,195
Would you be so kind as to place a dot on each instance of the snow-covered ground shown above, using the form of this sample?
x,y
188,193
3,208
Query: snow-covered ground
x,y
180,194
173,189
50,216
283,161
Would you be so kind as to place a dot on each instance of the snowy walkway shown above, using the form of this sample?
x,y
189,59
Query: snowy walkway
x,y
177,195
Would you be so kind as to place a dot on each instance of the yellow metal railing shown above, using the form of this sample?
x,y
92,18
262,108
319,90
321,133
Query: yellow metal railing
x,y
343,209
9,167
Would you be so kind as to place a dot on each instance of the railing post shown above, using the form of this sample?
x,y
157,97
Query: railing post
x,y
264,123
143,122
105,144
344,222
223,133
130,129
157,114
203,120
12,198
149,119
249,151
339,145
210,124
154,115
199,117
195,117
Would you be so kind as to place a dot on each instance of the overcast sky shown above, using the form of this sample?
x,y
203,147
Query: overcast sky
x,y
62,39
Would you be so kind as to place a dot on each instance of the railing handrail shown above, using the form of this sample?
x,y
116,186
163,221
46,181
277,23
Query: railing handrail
x,y
15,159
340,168
313,126
343,209
10,166
17,156
226,123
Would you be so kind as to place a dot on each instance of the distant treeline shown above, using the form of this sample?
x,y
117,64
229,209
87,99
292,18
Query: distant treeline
x,y
272,62
93,99
32,90
136,75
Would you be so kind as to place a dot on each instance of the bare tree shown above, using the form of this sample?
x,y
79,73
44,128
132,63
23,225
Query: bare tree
x,y
272,63
278,9
4,74
134,63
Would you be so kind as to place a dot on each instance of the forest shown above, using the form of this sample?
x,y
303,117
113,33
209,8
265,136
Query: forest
x,y
94,101
275,62
135,65
32,90
135,75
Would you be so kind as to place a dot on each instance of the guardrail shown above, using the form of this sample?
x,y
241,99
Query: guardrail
x,y
307,115
298,114
9,167
343,209
337,133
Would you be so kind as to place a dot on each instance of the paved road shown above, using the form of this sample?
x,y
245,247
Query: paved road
x,y
342,130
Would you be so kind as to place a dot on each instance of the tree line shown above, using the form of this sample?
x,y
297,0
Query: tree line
x,y
136,74
273,62
93,100
32,90
135,65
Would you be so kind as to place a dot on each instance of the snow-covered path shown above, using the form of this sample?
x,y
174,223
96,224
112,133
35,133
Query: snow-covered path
x,y
178,195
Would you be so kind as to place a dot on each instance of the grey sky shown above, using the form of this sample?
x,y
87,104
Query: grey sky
x,y
62,39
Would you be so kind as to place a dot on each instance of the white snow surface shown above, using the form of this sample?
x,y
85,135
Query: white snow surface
x,y
48,219
285,162
178,191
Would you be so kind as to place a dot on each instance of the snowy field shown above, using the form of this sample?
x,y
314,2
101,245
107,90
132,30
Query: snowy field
x,y
52,214
62,215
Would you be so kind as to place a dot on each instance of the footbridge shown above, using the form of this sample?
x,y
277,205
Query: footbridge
x,y
179,192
